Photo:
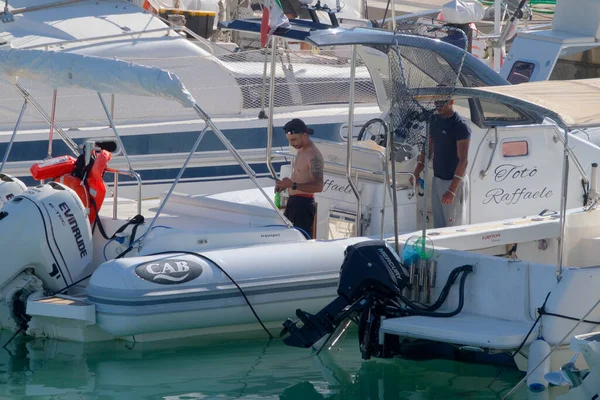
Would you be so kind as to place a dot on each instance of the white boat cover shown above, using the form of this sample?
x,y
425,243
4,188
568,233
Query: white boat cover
x,y
462,11
576,103
101,75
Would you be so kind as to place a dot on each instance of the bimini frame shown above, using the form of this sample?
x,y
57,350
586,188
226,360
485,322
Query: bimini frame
x,y
114,77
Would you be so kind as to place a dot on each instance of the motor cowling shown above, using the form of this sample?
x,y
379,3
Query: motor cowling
x,y
9,188
46,229
370,276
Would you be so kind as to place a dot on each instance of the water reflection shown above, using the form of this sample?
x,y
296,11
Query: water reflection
x,y
230,367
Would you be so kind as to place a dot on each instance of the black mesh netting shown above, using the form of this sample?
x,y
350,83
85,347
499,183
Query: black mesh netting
x,y
421,77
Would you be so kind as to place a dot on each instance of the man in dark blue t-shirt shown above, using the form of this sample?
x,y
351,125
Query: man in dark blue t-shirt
x,y
449,137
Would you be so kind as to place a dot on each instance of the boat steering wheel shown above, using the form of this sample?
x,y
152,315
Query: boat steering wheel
x,y
374,129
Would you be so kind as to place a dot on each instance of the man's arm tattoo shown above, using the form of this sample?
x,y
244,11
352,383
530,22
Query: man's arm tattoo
x,y
316,168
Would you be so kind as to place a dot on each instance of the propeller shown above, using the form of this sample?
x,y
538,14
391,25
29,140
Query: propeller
x,y
572,372
558,379
569,375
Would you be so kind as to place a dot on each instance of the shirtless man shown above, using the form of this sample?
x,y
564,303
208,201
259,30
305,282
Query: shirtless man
x,y
306,179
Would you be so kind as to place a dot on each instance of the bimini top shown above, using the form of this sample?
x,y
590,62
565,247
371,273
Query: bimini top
x,y
573,104
101,75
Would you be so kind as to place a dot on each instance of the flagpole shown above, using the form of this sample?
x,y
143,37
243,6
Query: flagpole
x,y
271,107
272,19
497,50
264,38
262,114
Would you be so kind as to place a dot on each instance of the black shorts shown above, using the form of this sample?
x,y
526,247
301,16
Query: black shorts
x,y
300,211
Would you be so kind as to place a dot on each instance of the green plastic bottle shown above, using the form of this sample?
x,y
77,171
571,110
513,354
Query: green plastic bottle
x,y
277,200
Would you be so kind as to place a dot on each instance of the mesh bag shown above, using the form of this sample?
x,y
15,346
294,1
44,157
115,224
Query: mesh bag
x,y
421,79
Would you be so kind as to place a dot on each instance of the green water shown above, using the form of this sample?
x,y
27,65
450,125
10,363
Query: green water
x,y
232,367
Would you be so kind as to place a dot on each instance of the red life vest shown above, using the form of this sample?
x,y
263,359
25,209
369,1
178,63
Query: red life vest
x,y
62,169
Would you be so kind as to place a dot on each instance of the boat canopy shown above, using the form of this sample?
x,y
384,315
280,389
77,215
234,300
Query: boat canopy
x,y
572,103
101,75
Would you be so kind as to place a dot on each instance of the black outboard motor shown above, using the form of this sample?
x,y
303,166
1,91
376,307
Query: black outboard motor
x,y
370,289
370,276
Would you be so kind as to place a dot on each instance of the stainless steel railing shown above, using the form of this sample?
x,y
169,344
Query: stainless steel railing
x,y
131,174
167,29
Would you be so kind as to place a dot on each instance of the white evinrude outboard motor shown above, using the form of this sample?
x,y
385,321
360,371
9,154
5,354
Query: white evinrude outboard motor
x,y
9,188
45,230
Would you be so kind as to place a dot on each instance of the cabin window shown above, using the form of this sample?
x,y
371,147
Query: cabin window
x,y
499,112
515,148
521,72
462,107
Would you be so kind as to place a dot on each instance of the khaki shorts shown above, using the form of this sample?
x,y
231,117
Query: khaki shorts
x,y
449,214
